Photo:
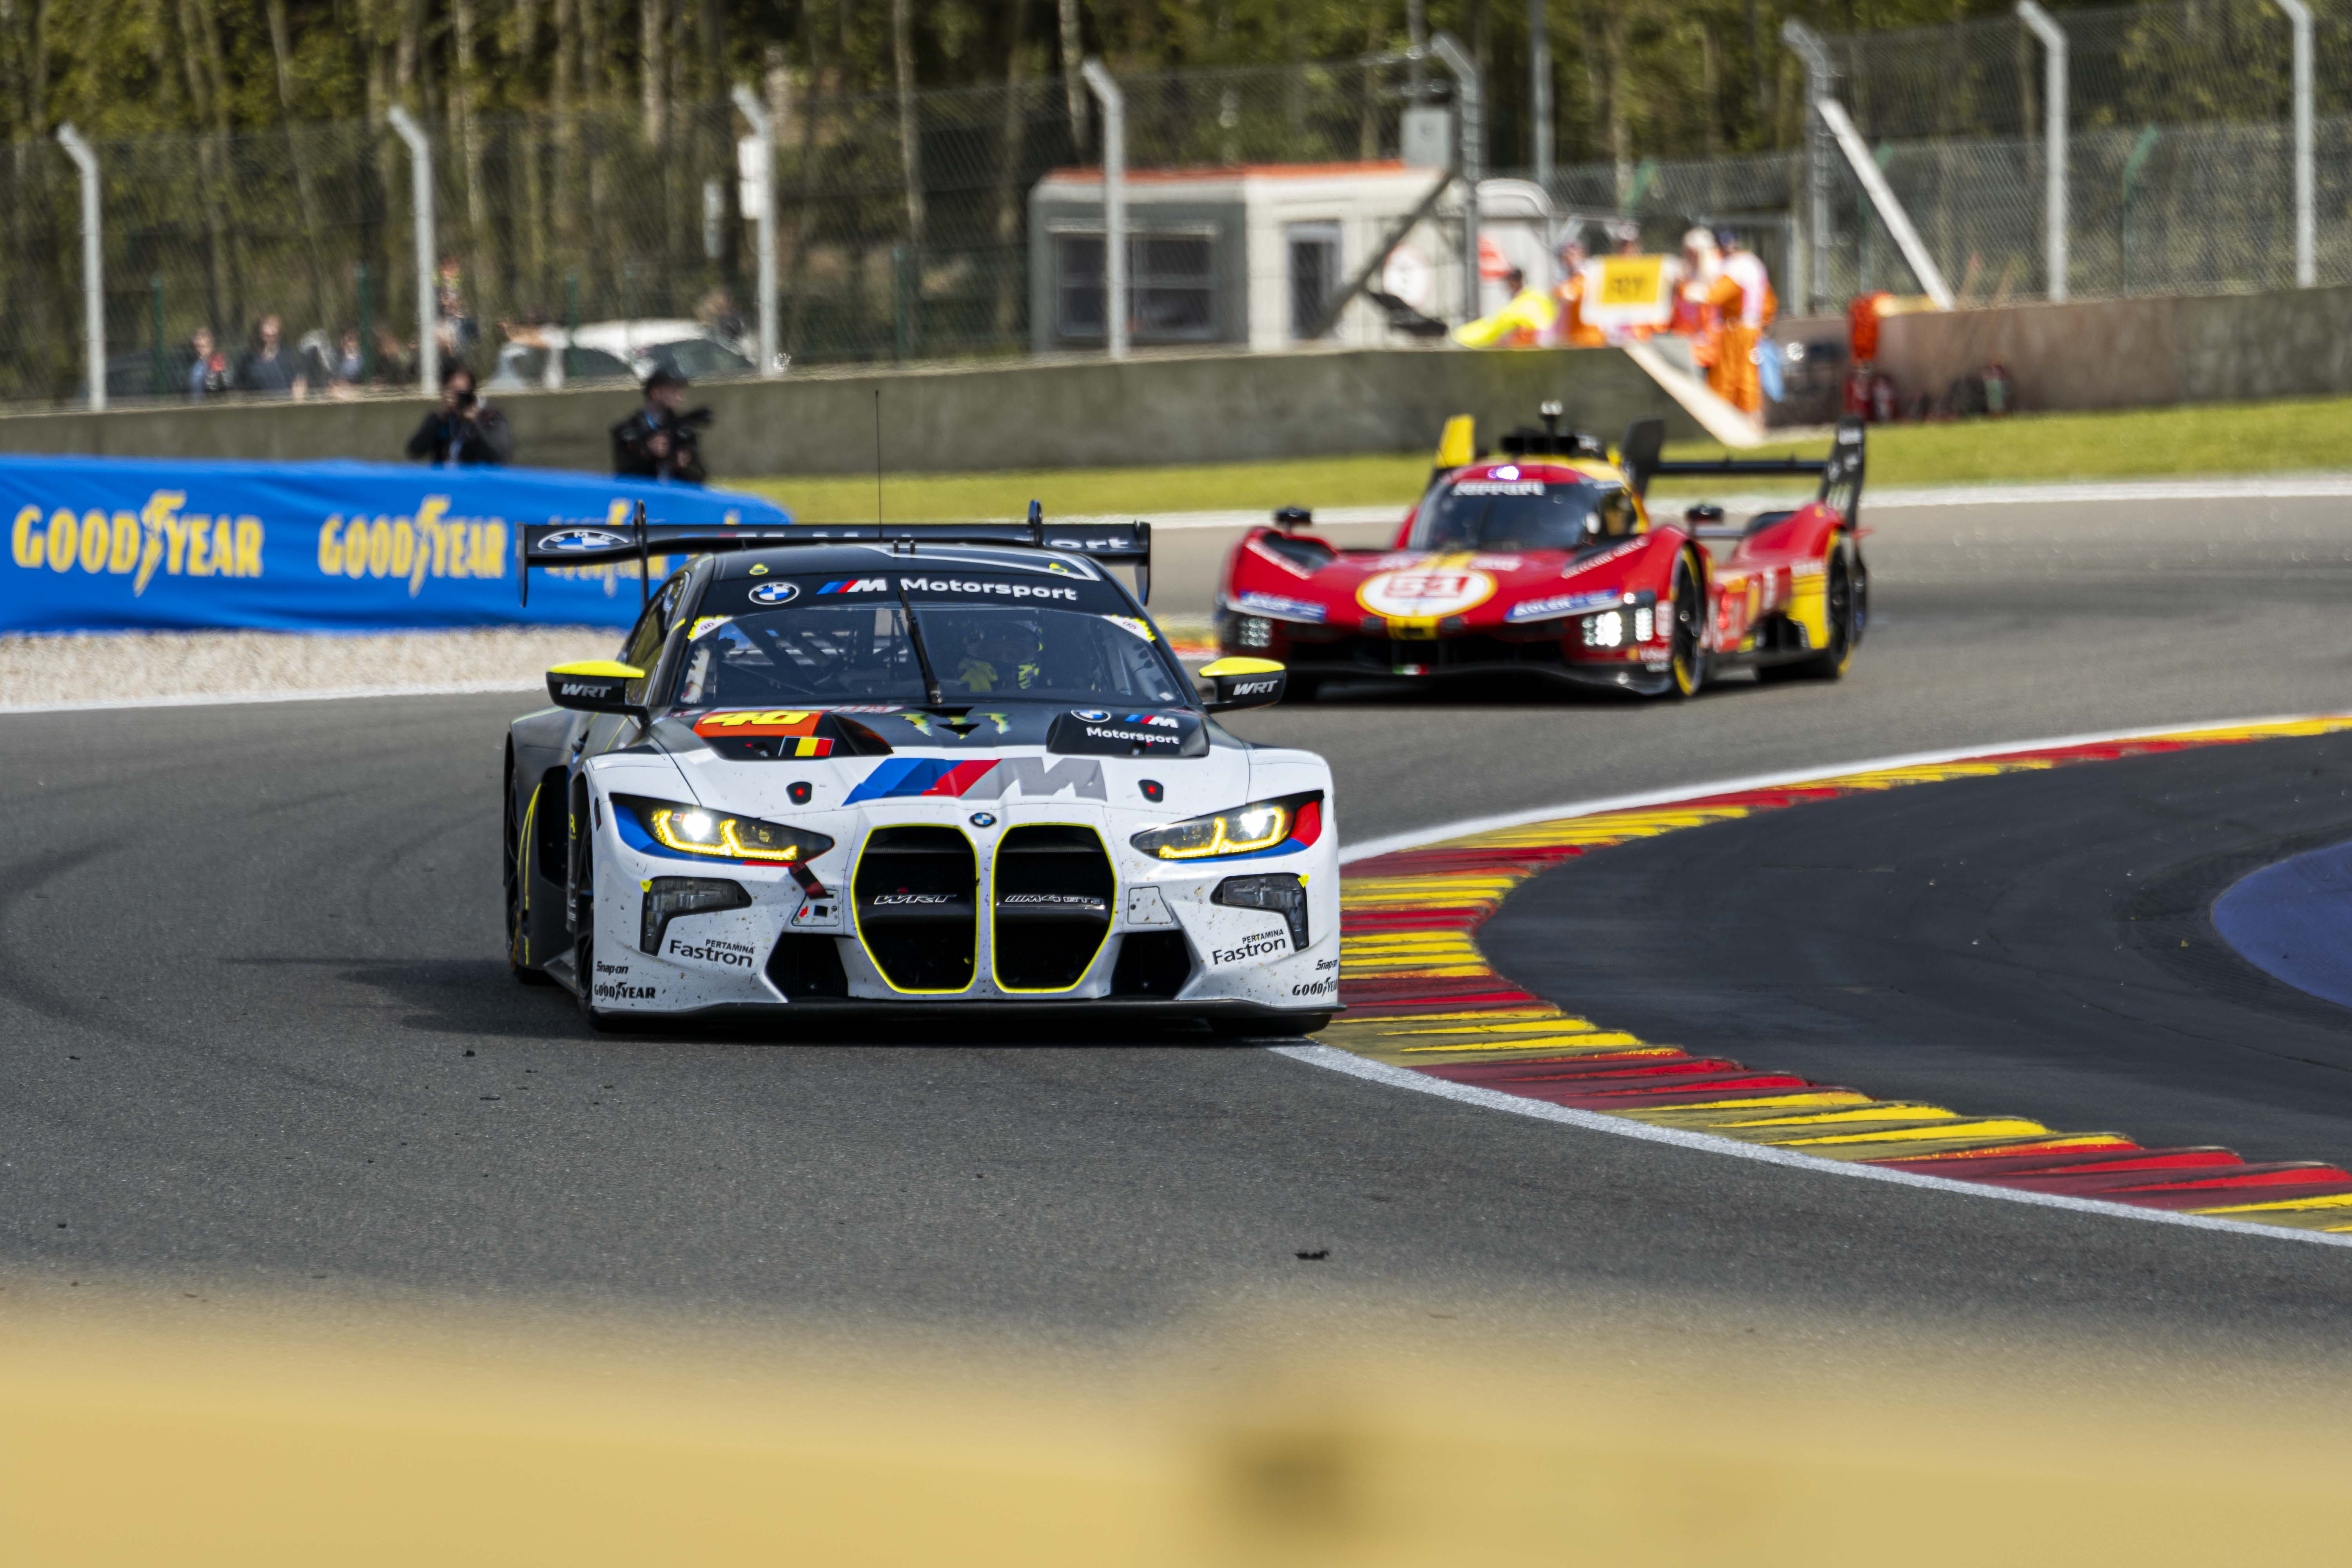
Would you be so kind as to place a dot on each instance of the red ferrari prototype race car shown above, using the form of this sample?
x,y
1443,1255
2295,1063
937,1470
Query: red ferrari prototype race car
x,y
1546,561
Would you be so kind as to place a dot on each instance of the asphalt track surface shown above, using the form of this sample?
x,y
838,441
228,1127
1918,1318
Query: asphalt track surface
x,y
256,1029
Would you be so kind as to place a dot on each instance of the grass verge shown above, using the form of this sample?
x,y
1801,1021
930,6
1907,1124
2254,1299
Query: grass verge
x,y
2154,443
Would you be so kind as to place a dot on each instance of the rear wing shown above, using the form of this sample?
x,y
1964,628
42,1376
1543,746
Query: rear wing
x,y
1841,469
595,544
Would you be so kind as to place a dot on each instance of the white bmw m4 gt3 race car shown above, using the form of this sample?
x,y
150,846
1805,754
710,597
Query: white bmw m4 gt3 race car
x,y
831,775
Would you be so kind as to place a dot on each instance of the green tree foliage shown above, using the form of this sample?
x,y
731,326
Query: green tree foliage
x,y
1632,78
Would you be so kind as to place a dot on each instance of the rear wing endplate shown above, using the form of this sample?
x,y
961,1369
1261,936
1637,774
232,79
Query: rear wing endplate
x,y
1840,470
595,544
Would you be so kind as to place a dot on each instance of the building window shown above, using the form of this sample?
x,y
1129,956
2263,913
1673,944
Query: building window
x,y
1172,286
1314,273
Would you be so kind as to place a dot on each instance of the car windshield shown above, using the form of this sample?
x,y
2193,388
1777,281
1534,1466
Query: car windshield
x,y
1496,513
824,654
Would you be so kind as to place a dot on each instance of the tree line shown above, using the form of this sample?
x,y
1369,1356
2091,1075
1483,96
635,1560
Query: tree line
x,y
1631,78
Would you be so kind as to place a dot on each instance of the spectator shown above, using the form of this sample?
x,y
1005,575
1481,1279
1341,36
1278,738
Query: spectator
x,y
1572,330
271,368
1527,320
209,375
1747,307
463,432
717,313
456,330
657,442
346,366
395,366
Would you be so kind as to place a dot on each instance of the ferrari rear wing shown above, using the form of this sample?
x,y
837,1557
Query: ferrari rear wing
x,y
1841,469
593,545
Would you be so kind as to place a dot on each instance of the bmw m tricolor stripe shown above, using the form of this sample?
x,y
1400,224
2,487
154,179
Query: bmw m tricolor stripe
x,y
902,776
991,779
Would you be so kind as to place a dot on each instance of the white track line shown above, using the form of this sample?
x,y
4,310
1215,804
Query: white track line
x,y
1338,1060
1334,1060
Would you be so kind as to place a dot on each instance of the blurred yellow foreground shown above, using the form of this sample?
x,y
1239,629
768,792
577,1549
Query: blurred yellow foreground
x,y
127,1439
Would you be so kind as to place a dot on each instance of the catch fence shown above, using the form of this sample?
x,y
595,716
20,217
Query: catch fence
x,y
902,227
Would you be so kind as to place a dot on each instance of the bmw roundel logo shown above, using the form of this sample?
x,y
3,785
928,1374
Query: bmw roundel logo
x,y
775,592
573,539
983,820
1091,715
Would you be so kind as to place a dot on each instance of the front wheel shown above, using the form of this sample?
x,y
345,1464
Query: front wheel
x,y
518,896
1688,664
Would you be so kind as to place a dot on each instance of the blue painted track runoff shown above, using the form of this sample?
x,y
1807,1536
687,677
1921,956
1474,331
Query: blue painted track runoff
x,y
2292,922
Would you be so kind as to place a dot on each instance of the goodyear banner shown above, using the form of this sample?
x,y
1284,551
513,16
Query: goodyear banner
x,y
98,544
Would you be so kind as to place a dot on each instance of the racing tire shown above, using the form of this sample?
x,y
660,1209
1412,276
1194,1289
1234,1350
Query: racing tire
x,y
599,1019
1832,661
1686,665
516,871
583,964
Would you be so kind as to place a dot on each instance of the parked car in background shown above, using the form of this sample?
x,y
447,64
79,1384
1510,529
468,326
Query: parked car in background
x,y
613,351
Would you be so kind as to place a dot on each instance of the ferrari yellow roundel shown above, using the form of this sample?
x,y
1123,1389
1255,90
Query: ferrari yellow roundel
x,y
1423,593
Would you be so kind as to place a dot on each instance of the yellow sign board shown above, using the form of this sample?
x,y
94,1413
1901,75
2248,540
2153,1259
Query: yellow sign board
x,y
1628,291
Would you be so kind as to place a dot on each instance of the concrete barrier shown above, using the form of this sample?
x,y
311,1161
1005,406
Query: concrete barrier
x,y
1153,409
2140,352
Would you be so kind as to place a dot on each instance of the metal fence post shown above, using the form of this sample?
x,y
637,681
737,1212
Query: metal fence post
x,y
1539,88
1882,197
156,374
2306,236
1469,96
2053,141
1819,77
420,163
1114,166
93,262
2141,148
748,106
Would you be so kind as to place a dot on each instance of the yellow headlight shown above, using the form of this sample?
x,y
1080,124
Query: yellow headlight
x,y
699,832
1260,825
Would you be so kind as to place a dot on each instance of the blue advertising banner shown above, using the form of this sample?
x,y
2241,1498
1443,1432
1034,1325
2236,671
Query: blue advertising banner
x,y
103,544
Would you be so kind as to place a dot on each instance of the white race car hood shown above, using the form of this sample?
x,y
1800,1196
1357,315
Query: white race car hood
x,y
776,763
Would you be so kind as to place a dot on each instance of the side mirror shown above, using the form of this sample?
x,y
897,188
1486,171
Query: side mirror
x,y
595,686
1243,683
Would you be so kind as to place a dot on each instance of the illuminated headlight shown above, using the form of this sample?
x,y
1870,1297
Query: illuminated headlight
x,y
692,830
1295,820
1606,629
1646,625
1254,631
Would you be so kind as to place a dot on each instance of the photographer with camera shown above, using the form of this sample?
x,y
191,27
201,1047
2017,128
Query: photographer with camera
x,y
657,442
463,432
